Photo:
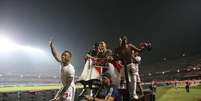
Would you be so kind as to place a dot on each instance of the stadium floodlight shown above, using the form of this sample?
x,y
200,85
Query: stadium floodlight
x,y
7,45
31,49
10,48
188,69
164,59
149,74
183,54
178,70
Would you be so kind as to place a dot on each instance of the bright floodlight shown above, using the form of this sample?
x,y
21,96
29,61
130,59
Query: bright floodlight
x,y
6,45
31,49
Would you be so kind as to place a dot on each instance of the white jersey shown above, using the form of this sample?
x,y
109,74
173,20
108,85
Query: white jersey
x,y
66,73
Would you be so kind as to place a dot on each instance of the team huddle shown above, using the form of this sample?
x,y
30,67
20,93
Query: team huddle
x,y
111,68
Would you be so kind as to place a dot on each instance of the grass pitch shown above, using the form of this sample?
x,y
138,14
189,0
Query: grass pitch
x,y
30,88
162,93
178,94
33,87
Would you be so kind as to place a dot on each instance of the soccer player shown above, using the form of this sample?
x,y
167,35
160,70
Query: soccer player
x,y
129,54
67,74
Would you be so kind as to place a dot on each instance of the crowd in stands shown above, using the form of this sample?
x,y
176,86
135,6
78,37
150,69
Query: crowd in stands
x,y
188,68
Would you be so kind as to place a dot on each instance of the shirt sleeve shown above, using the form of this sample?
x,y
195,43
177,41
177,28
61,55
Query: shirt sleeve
x,y
113,92
71,71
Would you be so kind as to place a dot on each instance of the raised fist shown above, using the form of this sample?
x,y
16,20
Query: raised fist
x,y
145,45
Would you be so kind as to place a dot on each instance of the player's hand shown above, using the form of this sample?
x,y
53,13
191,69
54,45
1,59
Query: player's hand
x,y
148,46
89,98
145,45
55,99
51,40
90,57
110,58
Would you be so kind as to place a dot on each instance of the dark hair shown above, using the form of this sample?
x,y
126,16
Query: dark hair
x,y
123,37
96,44
108,76
67,51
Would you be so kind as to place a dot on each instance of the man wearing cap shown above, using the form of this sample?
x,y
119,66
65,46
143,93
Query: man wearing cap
x,y
107,92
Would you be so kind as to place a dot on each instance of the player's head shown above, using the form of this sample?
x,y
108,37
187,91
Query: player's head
x,y
123,40
102,46
96,45
106,79
66,56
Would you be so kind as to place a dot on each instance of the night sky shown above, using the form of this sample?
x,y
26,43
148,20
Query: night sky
x,y
172,26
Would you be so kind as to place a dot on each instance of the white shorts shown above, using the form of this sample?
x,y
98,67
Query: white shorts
x,y
133,71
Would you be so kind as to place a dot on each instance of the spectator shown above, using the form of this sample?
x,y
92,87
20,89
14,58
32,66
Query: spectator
x,y
107,92
187,86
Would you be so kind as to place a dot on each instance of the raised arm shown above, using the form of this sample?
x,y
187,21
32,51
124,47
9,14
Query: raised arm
x,y
135,48
54,51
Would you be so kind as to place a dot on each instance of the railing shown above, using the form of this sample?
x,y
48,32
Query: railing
x,y
46,95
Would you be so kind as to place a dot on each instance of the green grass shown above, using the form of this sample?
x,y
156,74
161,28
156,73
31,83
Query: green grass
x,y
33,88
162,94
179,94
29,88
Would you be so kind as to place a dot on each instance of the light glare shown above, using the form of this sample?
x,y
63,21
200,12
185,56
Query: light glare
x,y
7,45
